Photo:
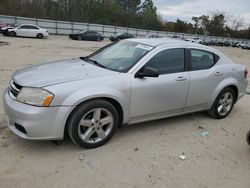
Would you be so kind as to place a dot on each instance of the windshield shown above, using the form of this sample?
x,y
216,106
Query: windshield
x,y
81,31
121,56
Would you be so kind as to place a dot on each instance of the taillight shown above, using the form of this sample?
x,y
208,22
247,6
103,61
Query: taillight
x,y
245,73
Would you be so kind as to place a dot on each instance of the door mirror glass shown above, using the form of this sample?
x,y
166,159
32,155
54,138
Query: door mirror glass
x,y
147,72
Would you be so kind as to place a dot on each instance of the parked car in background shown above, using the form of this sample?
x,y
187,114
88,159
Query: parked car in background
x,y
241,44
123,83
248,137
220,43
175,37
153,36
189,40
195,40
212,43
121,36
226,43
87,35
246,46
28,30
235,44
4,30
3,25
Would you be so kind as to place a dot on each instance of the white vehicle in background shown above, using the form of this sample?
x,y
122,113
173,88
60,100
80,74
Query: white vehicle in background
x,y
241,44
28,30
194,40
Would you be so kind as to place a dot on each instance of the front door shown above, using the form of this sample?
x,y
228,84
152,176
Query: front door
x,y
22,31
164,95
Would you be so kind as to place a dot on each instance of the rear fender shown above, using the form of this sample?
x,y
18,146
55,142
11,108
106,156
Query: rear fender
x,y
223,84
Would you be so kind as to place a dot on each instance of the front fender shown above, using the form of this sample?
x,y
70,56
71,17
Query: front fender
x,y
85,94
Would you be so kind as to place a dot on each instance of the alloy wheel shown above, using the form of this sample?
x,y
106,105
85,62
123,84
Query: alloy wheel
x,y
225,103
95,125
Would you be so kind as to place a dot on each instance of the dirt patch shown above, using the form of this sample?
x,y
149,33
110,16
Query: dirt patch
x,y
3,43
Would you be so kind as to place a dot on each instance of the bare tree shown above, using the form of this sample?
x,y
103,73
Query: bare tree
x,y
235,22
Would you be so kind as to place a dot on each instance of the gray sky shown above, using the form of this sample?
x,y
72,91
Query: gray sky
x,y
170,10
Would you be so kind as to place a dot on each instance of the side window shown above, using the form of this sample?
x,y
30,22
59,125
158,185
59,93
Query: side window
x,y
201,59
33,27
168,61
90,32
24,27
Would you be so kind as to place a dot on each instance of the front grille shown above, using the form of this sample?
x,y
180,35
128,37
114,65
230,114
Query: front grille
x,y
14,89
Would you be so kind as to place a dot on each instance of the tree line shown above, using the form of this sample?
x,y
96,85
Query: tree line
x,y
127,13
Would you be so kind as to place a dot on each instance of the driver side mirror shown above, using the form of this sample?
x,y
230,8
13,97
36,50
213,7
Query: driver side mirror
x,y
147,72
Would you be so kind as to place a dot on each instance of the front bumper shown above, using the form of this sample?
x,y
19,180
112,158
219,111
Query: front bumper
x,y
39,123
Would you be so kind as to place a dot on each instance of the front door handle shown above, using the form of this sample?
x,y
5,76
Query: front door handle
x,y
181,78
218,74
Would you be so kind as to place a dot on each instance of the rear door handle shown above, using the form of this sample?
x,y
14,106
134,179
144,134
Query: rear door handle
x,y
181,78
218,74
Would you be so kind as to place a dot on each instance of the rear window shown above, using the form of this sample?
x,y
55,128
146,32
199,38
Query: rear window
x,y
201,59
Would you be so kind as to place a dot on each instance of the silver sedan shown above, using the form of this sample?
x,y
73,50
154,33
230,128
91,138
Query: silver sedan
x,y
128,82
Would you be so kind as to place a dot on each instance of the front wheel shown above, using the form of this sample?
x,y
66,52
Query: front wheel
x,y
93,123
12,34
248,137
40,36
223,104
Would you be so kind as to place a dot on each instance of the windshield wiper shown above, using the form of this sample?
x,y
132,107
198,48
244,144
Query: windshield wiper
x,y
92,61
96,63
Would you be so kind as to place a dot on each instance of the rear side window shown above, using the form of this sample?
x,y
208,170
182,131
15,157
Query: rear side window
x,y
201,59
168,61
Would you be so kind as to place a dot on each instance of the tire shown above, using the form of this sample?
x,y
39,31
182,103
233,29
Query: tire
x,y
12,34
223,105
93,123
248,138
40,36
79,37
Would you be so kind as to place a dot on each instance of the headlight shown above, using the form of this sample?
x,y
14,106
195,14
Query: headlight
x,y
35,96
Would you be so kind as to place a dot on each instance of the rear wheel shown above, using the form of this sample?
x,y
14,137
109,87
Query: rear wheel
x,y
79,37
223,104
12,34
40,36
93,123
248,137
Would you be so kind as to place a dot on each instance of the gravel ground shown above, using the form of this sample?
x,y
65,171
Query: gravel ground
x,y
142,155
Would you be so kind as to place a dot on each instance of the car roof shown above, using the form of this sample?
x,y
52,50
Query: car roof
x,y
29,25
161,41
154,42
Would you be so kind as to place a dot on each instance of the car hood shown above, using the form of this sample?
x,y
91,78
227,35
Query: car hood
x,y
59,72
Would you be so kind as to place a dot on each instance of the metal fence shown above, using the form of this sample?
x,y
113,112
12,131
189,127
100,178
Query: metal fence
x,y
65,28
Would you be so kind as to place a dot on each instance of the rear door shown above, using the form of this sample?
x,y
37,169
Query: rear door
x,y
204,78
33,31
